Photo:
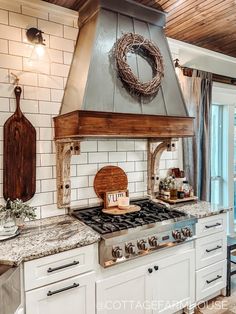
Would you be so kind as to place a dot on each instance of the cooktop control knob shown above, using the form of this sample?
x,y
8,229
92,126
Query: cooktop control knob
x,y
117,252
130,248
142,245
187,232
153,241
177,235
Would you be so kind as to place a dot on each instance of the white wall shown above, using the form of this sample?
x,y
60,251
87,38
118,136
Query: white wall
x,y
43,87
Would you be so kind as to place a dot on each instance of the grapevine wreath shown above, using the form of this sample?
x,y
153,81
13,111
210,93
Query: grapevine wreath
x,y
135,43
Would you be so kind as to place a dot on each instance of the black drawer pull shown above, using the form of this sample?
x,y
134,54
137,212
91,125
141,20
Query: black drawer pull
x,y
50,293
150,270
210,281
50,270
215,248
212,226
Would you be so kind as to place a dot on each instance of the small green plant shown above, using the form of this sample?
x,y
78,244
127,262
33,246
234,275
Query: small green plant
x,y
17,209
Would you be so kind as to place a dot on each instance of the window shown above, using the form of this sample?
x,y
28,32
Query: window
x,y
216,154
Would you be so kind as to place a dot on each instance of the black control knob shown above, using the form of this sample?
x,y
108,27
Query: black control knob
x,y
117,252
142,245
177,235
130,248
187,232
156,267
153,241
150,270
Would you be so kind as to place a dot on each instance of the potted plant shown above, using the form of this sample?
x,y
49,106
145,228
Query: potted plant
x,y
17,210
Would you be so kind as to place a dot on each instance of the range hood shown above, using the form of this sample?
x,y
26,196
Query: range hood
x,y
95,101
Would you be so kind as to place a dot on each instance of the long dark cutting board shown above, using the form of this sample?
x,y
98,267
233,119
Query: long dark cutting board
x,y
19,155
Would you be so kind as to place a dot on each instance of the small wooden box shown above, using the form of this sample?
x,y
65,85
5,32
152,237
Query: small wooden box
x,y
111,198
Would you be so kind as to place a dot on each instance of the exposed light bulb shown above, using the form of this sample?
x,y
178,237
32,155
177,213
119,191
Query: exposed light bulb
x,y
40,50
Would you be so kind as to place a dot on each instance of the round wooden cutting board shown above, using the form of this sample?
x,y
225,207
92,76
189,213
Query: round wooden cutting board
x,y
110,178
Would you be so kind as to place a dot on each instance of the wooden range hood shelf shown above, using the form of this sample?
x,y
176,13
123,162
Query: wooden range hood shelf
x,y
81,123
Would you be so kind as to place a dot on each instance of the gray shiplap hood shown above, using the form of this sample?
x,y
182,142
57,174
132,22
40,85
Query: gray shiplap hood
x,y
93,84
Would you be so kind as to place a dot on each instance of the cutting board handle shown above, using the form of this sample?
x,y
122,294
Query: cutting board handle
x,y
18,91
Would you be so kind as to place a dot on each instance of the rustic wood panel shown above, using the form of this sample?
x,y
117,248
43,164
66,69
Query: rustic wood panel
x,y
19,155
206,23
94,124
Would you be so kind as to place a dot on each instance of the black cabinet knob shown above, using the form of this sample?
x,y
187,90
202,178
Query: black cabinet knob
x,y
150,270
156,267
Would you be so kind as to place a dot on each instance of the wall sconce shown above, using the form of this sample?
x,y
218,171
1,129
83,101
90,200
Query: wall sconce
x,y
35,37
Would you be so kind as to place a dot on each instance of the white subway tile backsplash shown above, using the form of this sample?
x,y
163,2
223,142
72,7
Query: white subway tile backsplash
x,y
23,21
26,78
48,160
44,173
80,159
50,81
89,146
140,145
141,166
70,32
60,70
36,66
79,182
140,186
135,156
11,62
56,56
98,157
127,166
6,90
44,147
39,12
117,156
39,120
48,185
85,193
125,146
41,199
49,107
57,95
38,93
4,76
51,28
106,146
59,18
4,104
20,49
45,134
3,46
135,176
67,57
87,169
51,210
10,5
61,44
10,33
27,106
3,17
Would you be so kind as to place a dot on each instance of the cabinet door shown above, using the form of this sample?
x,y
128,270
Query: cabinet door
x,y
173,284
70,296
126,293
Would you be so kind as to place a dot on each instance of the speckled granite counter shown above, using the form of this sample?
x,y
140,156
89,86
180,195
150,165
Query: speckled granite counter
x,y
201,209
45,237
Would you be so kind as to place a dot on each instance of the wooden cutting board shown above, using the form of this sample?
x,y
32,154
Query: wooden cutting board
x,y
110,178
19,155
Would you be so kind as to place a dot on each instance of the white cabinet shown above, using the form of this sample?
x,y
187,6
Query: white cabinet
x,y
163,286
70,296
211,247
172,285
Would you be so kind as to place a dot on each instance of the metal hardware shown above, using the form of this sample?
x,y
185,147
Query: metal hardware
x,y
210,281
153,241
176,235
142,245
212,226
117,252
50,270
216,248
156,267
130,248
50,293
150,270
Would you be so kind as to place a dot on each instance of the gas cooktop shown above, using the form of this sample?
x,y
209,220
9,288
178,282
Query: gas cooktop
x,y
128,236
150,213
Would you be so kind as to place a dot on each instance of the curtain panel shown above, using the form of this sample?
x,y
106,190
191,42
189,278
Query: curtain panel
x,y
197,91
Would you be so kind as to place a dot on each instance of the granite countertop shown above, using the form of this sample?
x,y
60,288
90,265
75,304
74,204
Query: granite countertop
x,y
44,237
201,209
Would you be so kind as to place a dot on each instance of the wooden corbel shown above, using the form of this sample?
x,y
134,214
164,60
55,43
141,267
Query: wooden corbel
x,y
154,155
65,148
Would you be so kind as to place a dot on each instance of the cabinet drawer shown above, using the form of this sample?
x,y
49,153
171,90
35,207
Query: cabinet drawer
x,y
72,296
46,270
210,280
210,225
211,249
